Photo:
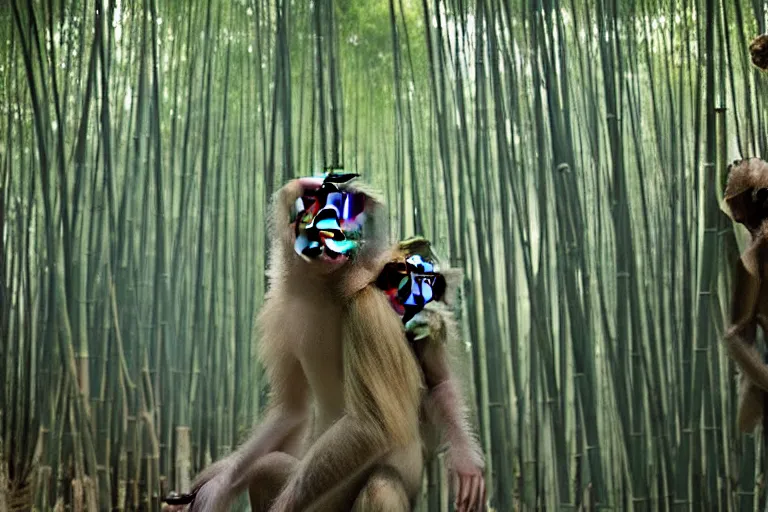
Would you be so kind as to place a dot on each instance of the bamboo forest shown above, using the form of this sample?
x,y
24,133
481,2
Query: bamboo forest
x,y
570,157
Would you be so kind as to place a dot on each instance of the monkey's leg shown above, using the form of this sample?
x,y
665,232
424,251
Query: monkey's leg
x,y
742,335
751,399
742,350
754,378
384,492
266,477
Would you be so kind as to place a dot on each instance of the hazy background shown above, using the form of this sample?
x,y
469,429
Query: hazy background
x,y
569,155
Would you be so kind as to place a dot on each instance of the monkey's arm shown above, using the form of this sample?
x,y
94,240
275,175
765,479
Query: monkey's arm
x,y
740,344
444,401
221,482
445,407
343,452
381,393
740,337
279,424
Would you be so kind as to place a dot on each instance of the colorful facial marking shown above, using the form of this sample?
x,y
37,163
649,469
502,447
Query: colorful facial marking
x,y
329,221
411,283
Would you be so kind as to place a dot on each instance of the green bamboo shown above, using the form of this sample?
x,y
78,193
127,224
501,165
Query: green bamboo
x,y
568,156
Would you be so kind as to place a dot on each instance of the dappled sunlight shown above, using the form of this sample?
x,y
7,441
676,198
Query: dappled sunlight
x,y
572,162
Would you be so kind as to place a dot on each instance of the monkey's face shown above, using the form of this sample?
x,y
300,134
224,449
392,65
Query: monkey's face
x,y
747,192
758,49
411,280
327,222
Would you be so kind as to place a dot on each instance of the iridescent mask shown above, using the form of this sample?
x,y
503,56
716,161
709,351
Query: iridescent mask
x,y
329,221
411,283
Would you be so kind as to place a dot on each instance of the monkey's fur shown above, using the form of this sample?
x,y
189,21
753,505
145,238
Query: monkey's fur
x,y
747,197
434,338
370,430
758,49
333,347
444,417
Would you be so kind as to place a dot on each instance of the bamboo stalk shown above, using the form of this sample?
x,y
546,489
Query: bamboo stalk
x,y
561,153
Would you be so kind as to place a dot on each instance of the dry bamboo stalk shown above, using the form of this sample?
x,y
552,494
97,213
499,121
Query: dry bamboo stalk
x,y
4,484
183,457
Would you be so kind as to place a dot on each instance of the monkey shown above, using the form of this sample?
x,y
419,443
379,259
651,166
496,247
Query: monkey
x,y
758,50
442,411
422,294
746,195
334,352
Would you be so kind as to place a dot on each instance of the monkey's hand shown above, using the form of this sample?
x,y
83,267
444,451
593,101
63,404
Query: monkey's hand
x,y
212,489
216,487
465,466
202,487
426,324
214,495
